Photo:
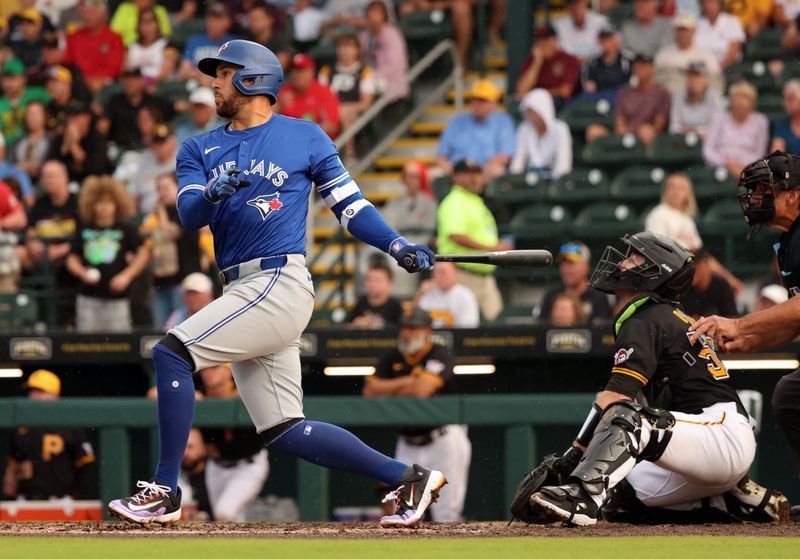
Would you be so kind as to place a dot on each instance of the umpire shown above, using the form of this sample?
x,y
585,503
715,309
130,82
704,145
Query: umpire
x,y
771,197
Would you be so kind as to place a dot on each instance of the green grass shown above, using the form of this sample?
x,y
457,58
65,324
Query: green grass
x,y
412,547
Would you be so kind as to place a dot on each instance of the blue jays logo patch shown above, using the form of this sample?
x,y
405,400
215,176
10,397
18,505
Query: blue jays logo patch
x,y
266,204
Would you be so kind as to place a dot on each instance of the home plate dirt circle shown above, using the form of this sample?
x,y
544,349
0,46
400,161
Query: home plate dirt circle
x,y
341,530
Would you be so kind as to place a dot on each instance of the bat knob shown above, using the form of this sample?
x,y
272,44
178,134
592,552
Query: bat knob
x,y
409,261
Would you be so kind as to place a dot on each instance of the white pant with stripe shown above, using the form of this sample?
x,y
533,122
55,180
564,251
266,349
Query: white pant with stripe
x,y
708,454
256,325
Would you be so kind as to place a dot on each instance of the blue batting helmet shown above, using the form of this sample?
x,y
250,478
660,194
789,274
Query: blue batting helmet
x,y
255,62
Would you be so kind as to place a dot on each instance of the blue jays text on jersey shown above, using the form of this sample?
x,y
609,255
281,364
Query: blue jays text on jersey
x,y
281,158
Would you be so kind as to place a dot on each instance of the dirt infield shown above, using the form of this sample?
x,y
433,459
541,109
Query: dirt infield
x,y
330,530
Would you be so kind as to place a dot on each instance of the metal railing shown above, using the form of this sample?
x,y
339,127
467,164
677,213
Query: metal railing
x,y
454,80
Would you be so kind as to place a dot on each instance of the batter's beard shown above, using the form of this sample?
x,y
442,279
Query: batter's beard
x,y
230,107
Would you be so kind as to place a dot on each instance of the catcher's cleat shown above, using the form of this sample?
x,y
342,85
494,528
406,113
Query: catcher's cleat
x,y
413,497
755,503
568,503
153,504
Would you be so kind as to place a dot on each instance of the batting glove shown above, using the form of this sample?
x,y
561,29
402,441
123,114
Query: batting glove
x,y
225,185
412,257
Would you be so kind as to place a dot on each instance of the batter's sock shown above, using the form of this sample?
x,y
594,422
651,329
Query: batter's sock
x,y
333,447
175,412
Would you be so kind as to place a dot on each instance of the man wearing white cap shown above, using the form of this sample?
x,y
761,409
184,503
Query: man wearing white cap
x,y
672,61
198,291
203,114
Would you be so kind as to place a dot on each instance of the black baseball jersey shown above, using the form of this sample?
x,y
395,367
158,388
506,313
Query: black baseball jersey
x,y
788,250
654,356
435,362
50,461
232,444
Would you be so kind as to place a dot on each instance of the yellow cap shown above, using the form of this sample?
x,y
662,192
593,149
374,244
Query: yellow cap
x,y
485,89
60,73
31,15
44,380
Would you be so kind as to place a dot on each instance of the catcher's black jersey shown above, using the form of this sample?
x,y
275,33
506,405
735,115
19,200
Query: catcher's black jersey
x,y
49,460
788,250
654,356
435,362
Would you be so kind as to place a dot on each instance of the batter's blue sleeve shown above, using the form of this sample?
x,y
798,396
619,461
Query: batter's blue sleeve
x,y
342,195
194,209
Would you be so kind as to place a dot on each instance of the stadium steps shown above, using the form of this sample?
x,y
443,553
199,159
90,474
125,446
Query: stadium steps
x,y
404,149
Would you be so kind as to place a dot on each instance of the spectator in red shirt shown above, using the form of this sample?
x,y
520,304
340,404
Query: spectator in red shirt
x,y
306,98
12,212
549,68
95,49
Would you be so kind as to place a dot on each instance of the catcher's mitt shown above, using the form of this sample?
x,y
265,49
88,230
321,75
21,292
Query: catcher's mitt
x,y
554,470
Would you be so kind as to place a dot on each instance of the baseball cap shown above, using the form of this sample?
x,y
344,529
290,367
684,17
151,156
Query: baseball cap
x,y
775,293
161,132
13,67
216,10
44,380
197,282
684,19
608,30
59,73
303,61
697,68
467,166
76,107
30,14
643,57
545,31
416,318
574,251
203,96
50,40
485,89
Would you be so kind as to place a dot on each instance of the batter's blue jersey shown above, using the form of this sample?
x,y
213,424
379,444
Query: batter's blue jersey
x,y
281,158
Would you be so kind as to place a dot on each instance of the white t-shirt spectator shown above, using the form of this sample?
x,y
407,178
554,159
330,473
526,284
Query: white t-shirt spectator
x,y
666,220
454,308
580,42
718,37
791,8
552,150
149,59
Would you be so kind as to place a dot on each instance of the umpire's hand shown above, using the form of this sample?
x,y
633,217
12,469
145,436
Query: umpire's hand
x,y
225,185
718,328
412,257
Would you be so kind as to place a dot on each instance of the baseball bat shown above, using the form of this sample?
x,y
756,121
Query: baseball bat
x,y
508,258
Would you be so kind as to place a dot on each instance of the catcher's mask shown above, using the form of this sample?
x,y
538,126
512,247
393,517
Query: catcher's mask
x,y
653,264
760,180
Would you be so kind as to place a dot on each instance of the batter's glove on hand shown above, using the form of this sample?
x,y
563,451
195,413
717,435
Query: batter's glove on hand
x,y
225,185
412,257
554,470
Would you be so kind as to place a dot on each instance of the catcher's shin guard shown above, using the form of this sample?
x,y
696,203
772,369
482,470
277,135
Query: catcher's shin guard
x,y
616,445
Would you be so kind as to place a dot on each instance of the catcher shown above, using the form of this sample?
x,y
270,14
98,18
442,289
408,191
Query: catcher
x,y
668,421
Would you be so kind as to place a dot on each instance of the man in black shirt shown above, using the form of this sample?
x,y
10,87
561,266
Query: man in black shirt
x,y
771,197
47,462
377,308
607,72
668,421
709,293
80,147
573,267
421,368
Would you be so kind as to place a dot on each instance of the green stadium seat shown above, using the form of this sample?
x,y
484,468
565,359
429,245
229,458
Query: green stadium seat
x,y
173,91
441,186
613,151
102,96
618,13
541,226
602,224
765,46
424,25
771,104
324,53
580,114
711,184
517,190
724,231
579,187
18,311
515,315
638,185
754,72
185,29
675,150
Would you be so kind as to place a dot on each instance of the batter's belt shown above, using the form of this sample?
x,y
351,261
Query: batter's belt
x,y
250,267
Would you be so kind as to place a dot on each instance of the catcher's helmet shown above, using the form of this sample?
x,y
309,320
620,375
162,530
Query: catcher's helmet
x,y
777,171
666,268
255,62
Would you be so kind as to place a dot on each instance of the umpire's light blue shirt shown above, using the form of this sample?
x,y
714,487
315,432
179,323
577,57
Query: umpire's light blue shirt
x,y
468,137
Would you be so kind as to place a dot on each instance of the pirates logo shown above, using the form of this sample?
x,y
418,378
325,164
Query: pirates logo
x,y
266,204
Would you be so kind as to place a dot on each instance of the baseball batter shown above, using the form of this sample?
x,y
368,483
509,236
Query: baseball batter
x,y
250,181
692,437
